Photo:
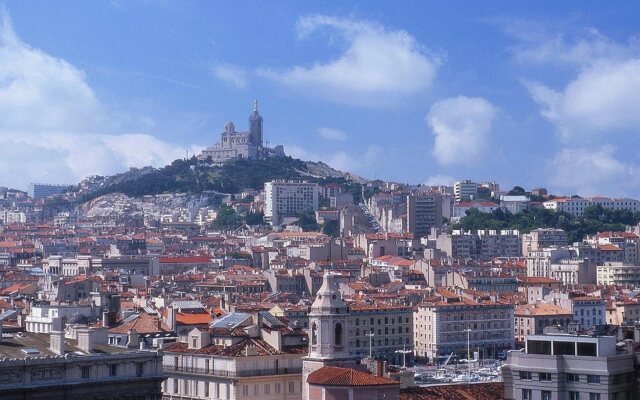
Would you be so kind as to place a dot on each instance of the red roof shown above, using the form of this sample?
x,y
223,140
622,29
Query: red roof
x,y
180,260
335,376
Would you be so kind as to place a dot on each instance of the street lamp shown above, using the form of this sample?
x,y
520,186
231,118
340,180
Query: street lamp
x,y
404,356
371,335
468,330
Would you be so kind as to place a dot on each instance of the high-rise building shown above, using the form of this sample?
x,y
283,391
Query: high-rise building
x,y
465,190
288,198
424,211
42,190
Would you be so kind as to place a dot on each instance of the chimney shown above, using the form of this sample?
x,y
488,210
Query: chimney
x,y
379,368
105,318
56,337
133,339
85,340
0,331
171,318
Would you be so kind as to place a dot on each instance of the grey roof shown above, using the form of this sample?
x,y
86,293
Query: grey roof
x,y
187,304
8,314
270,320
231,320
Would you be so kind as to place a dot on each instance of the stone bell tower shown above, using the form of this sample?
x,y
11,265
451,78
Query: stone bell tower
x,y
328,344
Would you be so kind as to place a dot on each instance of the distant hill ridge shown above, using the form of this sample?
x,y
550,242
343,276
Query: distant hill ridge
x,y
197,176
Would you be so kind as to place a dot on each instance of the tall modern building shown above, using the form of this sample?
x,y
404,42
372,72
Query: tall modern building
x,y
43,190
563,366
247,144
288,198
465,190
424,211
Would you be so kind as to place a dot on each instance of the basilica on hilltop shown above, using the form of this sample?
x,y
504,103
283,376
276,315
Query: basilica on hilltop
x,y
249,144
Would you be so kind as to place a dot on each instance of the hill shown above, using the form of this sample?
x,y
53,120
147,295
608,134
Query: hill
x,y
194,176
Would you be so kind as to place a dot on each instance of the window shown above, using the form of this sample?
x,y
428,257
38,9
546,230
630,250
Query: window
x,y
256,390
86,372
206,389
546,395
544,376
277,388
139,369
593,378
314,334
292,387
574,395
245,390
573,378
186,387
594,396
267,389
526,394
338,334
113,369
525,375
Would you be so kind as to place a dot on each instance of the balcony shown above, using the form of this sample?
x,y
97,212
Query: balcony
x,y
231,374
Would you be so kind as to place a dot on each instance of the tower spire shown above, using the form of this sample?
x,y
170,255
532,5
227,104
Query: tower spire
x,y
255,106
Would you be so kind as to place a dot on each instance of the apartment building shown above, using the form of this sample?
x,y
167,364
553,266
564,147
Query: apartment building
x,y
424,211
576,205
531,319
479,245
440,326
241,356
392,328
541,238
465,190
562,263
288,198
561,366
618,273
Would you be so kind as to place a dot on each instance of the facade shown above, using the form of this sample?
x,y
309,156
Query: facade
x,y
464,190
479,245
37,366
460,208
424,211
569,367
575,206
531,319
541,238
238,357
235,145
392,328
440,327
42,190
288,198
618,273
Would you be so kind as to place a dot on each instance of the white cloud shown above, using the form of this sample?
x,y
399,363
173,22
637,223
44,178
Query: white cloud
x,y
341,160
461,126
231,74
377,67
589,171
51,122
439,180
332,134
581,47
602,100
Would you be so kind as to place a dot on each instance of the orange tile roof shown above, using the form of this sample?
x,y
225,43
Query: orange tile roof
x,y
335,376
193,319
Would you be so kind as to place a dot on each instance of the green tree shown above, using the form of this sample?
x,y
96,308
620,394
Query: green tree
x,y
307,221
227,219
331,228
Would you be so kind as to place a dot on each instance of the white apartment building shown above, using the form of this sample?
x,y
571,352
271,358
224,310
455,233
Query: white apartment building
x,y
541,238
288,198
618,273
440,327
464,190
575,206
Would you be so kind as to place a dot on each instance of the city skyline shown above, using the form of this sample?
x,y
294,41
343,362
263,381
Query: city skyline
x,y
428,93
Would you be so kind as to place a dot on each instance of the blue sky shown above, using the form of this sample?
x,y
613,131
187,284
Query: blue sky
x,y
535,94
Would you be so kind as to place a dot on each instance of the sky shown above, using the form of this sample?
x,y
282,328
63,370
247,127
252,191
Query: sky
x,y
534,94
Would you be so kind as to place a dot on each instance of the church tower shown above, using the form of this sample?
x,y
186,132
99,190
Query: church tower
x,y
328,344
255,125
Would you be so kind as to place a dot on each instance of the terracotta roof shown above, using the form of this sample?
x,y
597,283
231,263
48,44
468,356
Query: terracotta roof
x,y
145,323
335,376
540,310
193,319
